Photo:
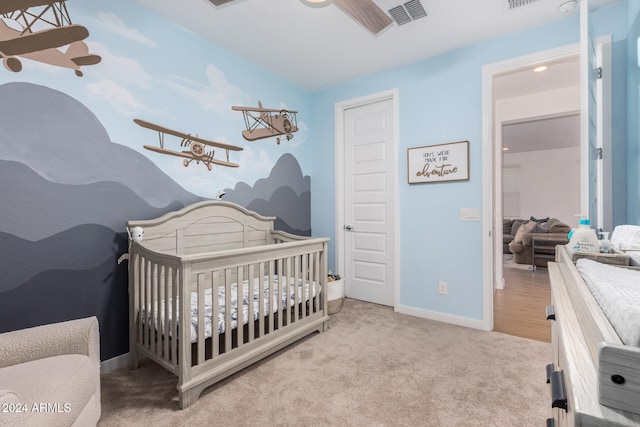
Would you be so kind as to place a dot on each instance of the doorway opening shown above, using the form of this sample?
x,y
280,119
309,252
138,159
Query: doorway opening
x,y
516,97
493,143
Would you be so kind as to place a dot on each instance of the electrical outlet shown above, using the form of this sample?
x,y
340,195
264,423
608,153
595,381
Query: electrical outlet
x,y
442,288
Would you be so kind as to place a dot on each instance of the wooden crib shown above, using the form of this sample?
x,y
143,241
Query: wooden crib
x,y
206,253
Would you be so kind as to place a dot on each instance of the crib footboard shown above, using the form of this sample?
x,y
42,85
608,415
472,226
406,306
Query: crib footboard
x,y
206,316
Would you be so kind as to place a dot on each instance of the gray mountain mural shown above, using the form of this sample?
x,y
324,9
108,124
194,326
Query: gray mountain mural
x,y
285,193
67,192
79,248
53,208
64,142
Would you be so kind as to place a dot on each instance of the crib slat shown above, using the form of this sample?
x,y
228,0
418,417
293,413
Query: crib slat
x,y
147,297
296,297
306,283
251,308
201,325
261,300
321,278
158,282
151,327
271,307
134,318
140,294
287,292
215,315
240,305
227,310
313,268
153,278
165,341
184,323
282,277
174,316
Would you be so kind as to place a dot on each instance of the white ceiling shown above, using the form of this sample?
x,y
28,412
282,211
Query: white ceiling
x,y
319,47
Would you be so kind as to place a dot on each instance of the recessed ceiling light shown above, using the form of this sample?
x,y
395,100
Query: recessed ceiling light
x,y
505,148
568,7
316,3
540,69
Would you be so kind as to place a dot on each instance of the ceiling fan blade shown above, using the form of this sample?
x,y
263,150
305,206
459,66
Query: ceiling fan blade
x,y
220,2
366,12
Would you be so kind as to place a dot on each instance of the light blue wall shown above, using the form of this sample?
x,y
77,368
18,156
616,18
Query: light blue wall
x,y
440,100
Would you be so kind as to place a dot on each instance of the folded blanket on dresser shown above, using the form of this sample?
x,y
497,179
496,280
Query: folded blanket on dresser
x,y
617,291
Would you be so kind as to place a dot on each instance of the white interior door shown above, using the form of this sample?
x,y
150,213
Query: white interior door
x,y
369,214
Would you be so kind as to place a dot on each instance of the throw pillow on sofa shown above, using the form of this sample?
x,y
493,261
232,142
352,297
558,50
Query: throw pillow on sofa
x,y
516,225
539,220
541,227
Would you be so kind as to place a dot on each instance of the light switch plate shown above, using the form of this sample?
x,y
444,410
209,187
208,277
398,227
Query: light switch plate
x,y
469,214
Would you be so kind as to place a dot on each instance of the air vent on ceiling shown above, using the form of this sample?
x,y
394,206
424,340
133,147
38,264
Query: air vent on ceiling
x,y
407,12
513,4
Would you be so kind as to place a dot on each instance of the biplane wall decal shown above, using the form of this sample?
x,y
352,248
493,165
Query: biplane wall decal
x,y
197,147
267,122
35,29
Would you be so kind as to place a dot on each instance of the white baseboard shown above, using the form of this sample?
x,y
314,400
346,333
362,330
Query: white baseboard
x,y
441,317
114,364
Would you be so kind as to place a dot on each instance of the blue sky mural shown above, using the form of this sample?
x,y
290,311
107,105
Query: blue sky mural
x,y
154,70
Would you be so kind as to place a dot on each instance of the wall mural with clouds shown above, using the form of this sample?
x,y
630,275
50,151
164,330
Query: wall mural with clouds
x,y
74,168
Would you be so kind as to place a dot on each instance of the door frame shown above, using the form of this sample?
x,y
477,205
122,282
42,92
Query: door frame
x,y
492,158
340,250
492,172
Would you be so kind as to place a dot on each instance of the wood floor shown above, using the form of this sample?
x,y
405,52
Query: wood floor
x,y
519,308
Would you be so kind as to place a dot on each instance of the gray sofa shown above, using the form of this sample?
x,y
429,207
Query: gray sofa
x,y
50,375
521,245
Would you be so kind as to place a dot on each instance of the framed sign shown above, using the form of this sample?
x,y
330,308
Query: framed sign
x,y
438,163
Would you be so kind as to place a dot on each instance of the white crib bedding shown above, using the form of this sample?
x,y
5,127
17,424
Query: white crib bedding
x,y
617,291
303,296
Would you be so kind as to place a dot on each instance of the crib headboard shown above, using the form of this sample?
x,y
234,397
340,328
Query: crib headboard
x,y
207,226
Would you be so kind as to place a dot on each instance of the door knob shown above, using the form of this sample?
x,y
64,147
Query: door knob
x,y
348,228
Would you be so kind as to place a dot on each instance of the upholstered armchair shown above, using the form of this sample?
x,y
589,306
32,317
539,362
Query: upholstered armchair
x,y
50,375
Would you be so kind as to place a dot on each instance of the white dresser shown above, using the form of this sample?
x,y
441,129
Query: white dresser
x,y
590,365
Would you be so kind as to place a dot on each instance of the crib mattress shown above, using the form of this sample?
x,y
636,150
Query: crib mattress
x,y
279,303
617,291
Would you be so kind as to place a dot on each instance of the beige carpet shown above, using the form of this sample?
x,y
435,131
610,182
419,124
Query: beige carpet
x,y
373,367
